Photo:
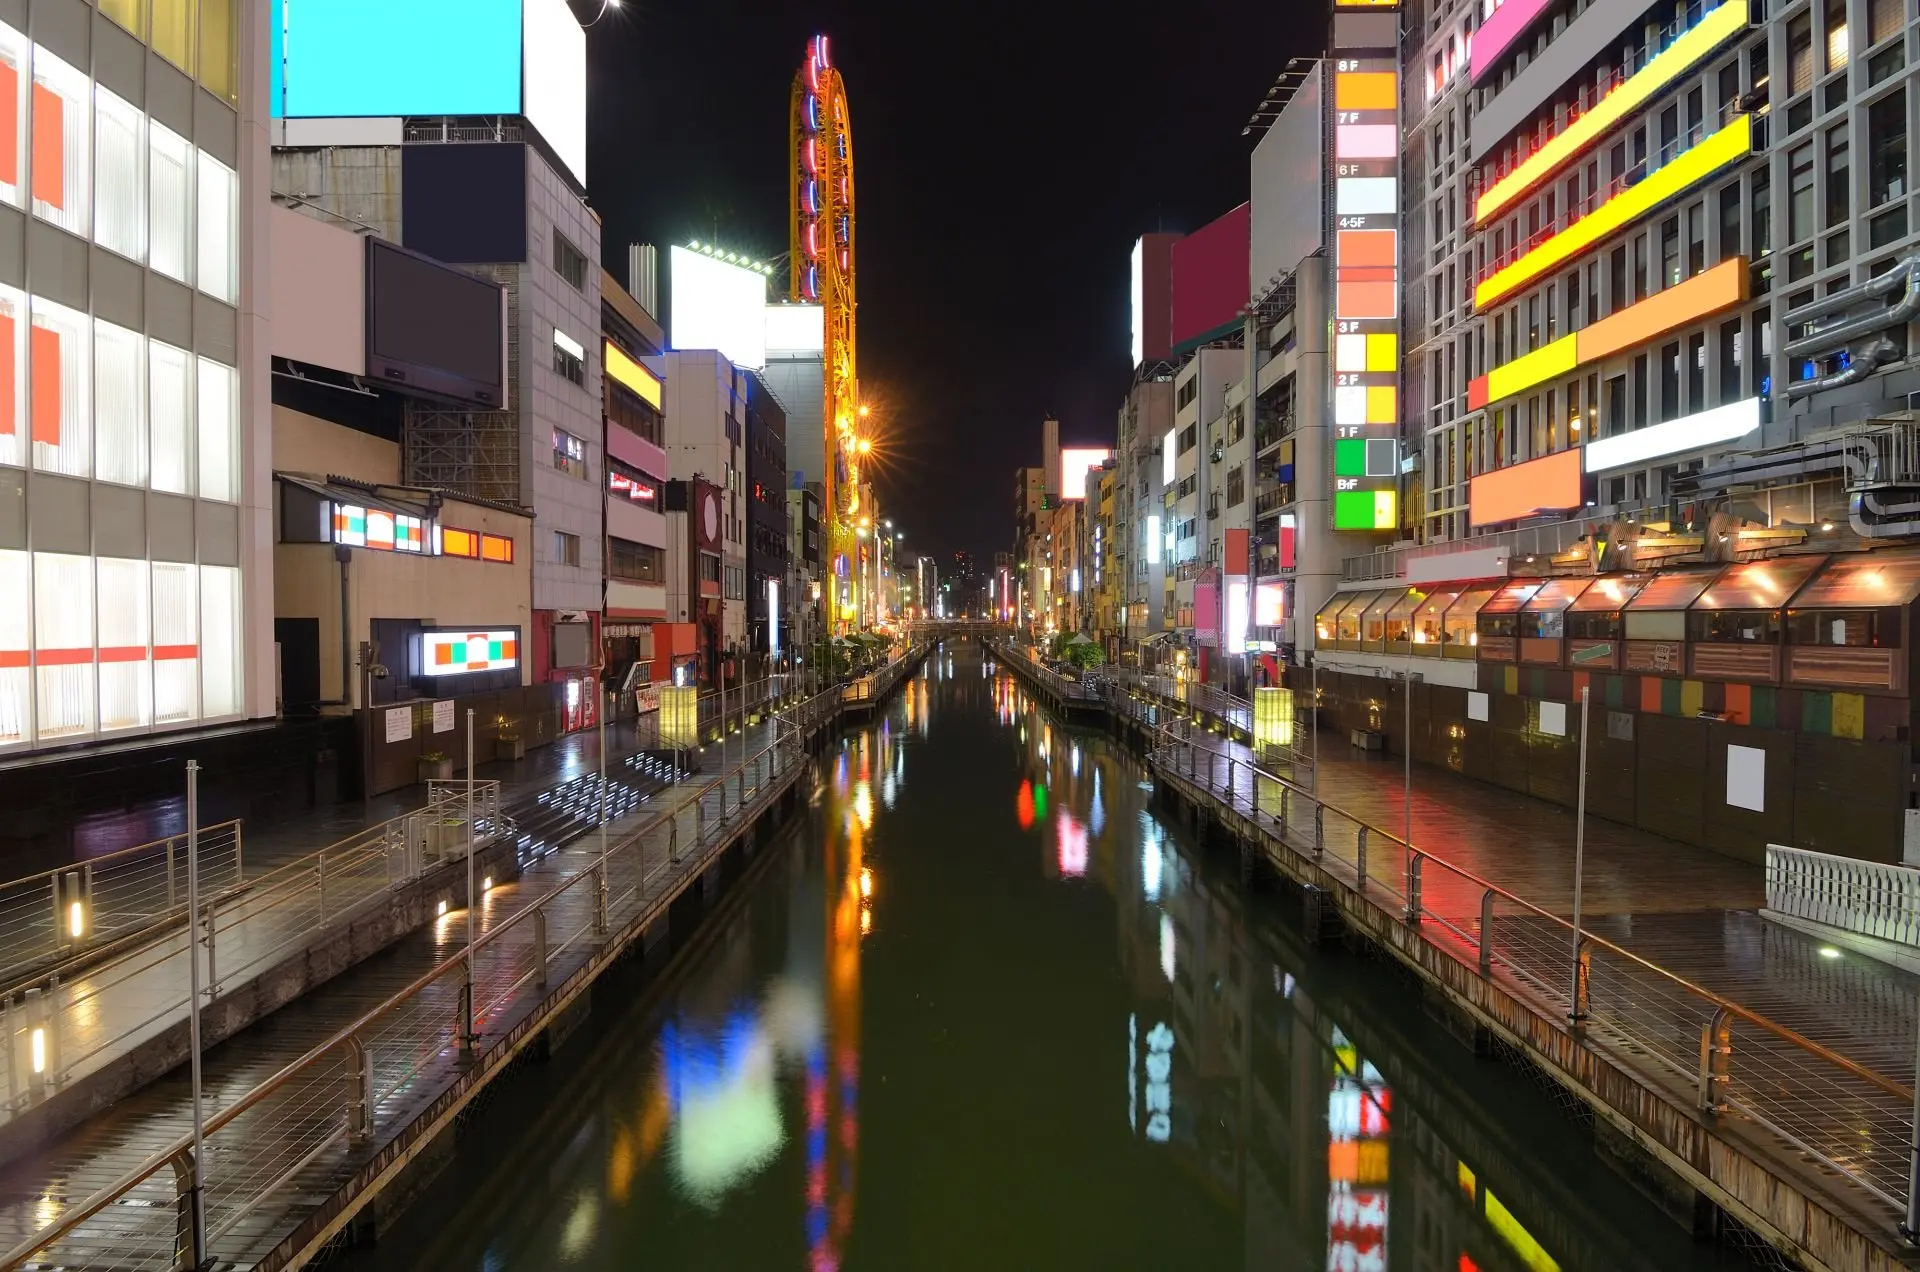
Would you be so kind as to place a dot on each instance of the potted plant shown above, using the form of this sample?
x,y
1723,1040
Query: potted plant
x,y
508,743
435,766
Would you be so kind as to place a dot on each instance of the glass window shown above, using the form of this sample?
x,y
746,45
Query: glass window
x,y
459,543
1545,615
1657,612
566,548
1839,176
173,32
1754,585
126,673
1400,617
219,439
63,640
1887,148
1500,613
13,333
131,14
494,547
176,643
219,641
1849,628
1734,627
120,404
1428,631
16,638
569,454
59,143
1864,580
219,214
1800,192
217,69
1595,613
13,85
170,417
169,200
1463,616
119,169
59,378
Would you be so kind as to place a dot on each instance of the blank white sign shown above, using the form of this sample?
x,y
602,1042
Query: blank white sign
x,y
1553,719
1747,778
1476,706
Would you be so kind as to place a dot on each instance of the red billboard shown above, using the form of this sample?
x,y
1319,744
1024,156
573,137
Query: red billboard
x,y
1210,279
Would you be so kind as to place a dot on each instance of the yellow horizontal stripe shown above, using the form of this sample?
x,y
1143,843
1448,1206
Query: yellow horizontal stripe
x,y
1678,58
1722,148
633,375
1555,358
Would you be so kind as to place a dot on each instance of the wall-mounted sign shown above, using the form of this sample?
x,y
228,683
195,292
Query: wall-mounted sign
x,y
456,653
443,716
1366,301
1551,483
399,722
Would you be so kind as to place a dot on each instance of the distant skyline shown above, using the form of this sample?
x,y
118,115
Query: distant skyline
x,y
1006,157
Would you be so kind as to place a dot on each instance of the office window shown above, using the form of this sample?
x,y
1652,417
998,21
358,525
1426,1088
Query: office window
x,y
126,673
16,636
219,441
170,417
1669,381
120,404
1799,55
59,146
1800,192
459,543
566,548
1729,221
169,200
569,262
633,484
636,562
1835,26
173,32
1236,486
119,160
1884,19
1696,372
13,333
1839,177
220,659
131,14
60,376
219,222
569,454
1887,148
1670,251
63,636
1730,353
497,548
176,643
217,68
569,358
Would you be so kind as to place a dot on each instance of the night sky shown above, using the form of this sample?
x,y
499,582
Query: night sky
x,y
1007,153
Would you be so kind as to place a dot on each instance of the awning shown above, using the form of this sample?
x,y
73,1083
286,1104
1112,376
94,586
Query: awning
x,y
1864,580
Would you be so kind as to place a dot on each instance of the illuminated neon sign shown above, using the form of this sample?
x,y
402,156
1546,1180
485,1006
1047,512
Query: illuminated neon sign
x,y
1696,164
1699,297
1722,424
1705,36
1365,236
456,653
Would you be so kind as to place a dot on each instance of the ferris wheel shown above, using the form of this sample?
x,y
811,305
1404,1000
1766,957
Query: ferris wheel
x,y
823,260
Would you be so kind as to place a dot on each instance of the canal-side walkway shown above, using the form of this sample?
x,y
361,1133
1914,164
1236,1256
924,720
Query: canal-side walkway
x,y
1770,1072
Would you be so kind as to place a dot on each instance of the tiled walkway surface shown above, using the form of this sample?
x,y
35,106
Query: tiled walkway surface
x,y
267,1141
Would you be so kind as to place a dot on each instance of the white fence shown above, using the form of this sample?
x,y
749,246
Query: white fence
x,y
1861,897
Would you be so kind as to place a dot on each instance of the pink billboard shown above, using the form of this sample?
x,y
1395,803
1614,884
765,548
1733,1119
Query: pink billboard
x,y
1210,278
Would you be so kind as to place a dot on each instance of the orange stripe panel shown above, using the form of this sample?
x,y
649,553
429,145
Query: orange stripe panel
x,y
9,124
1366,90
64,657
46,386
12,658
1368,247
1650,694
1703,294
164,653
1368,300
123,653
49,146
1739,703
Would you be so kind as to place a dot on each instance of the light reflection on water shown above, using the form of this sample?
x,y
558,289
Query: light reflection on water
x,y
904,1050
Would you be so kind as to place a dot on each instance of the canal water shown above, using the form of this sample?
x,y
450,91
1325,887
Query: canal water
x,y
987,1008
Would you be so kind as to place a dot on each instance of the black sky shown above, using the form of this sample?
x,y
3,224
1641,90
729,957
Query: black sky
x,y
1006,153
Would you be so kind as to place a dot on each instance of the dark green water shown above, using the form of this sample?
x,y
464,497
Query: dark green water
x,y
985,1009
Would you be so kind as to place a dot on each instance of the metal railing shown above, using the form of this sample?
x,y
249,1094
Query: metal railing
x,y
1854,1121
59,1025
91,905
273,1150
1863,897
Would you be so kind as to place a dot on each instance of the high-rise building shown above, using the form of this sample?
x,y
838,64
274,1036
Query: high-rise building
x,y
136,493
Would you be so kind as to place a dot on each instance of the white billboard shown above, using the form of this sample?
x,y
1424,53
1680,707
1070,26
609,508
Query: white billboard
x,y
796,329
1139,299
555,69
718,305
1288,172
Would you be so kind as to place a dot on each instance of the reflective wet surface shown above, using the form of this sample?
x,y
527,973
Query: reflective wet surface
x,y
988,1007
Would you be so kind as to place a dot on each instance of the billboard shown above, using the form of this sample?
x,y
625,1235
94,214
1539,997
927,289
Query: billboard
x,y
796,329
1365,236
1288,187
1152,297
1210,279
434,328
333,59
1075,463
718,305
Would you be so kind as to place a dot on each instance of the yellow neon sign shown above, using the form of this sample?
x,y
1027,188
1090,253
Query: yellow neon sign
x,y
632,374
1722,148
1707,35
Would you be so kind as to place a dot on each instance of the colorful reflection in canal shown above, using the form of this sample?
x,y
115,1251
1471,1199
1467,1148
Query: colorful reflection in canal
x,y
898,1045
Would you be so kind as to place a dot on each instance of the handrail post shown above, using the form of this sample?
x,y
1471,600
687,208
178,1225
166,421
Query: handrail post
x,y
171,890
55,887
1486,932
1360,856
1716,1055
540,946
1582,971
600,899
1319,828
190,1231
359,1090
87,913
1414,861
320,879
